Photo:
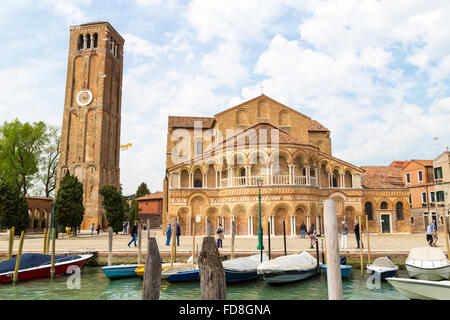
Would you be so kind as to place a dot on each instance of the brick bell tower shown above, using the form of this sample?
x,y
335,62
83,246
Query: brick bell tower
x,y
90,136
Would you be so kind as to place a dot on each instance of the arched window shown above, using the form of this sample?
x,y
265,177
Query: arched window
x,y
80,42
88,41
399,210
383,205
368,210
243,172
95,40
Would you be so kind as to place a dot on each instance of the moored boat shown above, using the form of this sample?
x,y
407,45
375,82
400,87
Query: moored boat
x,y
289,268
427,263
243,269
382,268
182,273
346,271
120,271
421,289
35,265
140,270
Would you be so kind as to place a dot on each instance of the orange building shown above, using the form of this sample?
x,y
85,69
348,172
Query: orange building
x,y
418,177
150,207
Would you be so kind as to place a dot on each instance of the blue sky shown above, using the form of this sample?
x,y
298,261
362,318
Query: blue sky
x,y
376,73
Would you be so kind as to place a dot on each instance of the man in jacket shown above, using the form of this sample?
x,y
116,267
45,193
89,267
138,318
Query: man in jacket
x,y
178,234
133,234
168,233
302,231
357,235
344,233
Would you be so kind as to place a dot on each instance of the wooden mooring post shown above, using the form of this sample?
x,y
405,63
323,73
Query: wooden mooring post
x,y
212,274
110,245
152,272
52,265
139,243
284,237
334,278
368,240
446,235
268,237
233,232
360,245
19,254
44,245
11,242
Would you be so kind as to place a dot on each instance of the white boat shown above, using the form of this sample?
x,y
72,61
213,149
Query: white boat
x,y
422,289
427,263
242,269
186,272
383,268
289,268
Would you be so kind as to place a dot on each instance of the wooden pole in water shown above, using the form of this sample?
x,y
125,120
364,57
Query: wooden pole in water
x,y
446,233
19,254
284,237
268,237
52,266
193,241
212,274
11,242
334,278
45,241
139,243
110,245
360,245
152,272
172,255
368,241
233,231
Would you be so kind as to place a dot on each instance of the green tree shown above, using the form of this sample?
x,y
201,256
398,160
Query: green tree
x,y
48,164
142,190
13,208
21,146
134,211
113,204
69,209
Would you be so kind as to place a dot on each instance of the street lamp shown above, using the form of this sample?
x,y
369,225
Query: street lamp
x,y
260,243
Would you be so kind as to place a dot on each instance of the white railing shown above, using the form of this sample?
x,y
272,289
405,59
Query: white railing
x,y
238,182
280,179
254,180
300,180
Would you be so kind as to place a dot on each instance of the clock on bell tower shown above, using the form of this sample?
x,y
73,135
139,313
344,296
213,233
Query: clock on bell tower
x,y
90,136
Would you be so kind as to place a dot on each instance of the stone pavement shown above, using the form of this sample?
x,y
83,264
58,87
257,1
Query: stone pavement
x,y
381,244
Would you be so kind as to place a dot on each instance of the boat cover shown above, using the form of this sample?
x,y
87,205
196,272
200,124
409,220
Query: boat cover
x,y
293,262
426,253
31,260
182,268
244,264
383,262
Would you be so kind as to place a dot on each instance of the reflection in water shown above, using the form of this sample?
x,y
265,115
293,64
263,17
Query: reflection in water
x,y
96,286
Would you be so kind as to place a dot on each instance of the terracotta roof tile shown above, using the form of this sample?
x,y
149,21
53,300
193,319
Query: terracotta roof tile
x,y
382,177
424,162
188,122
154,195
316,126
400,164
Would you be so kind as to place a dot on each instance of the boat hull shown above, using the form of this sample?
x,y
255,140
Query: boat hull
x,y
421,289
382,273
288,276
120,271
44,271
346,271
184,276
232,276
429,274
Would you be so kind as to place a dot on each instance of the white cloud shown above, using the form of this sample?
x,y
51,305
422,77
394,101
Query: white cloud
x,y
68,9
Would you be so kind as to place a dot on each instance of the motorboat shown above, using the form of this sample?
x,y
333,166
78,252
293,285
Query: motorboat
x,y
289,268
421,289
243,269
346,271
382,268
36,265
140,270
187,272
427,263
120,271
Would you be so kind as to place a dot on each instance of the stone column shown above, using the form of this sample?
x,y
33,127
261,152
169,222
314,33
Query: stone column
x,y
220,181
290,174
330,180
353,181
316,174
308,222
308,174
179,180
217,173
293,226
230,179
293,174
272,225
249,181
342,180
267,175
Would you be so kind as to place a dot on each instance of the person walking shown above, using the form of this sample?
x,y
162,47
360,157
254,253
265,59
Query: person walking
x,y
219,236
98,229
430,232
357,235
178,233
344,233
92,229
312,236
168,233
435,233
133,233
302,230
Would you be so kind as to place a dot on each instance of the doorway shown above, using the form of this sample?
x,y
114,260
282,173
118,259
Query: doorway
x,y
385,220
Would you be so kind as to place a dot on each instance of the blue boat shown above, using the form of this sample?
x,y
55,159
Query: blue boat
x,y
346,271
120,271
181,273
243,269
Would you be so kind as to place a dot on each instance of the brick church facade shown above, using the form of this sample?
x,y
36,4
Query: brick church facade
x,y
213,165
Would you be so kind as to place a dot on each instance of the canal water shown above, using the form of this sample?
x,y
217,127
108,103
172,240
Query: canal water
x,y
94,285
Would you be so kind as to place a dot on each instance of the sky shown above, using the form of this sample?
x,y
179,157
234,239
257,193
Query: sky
x,y
375,73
